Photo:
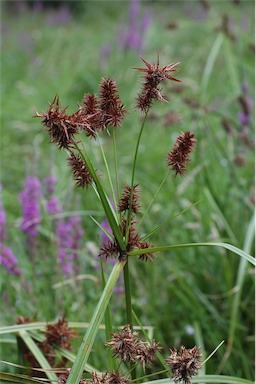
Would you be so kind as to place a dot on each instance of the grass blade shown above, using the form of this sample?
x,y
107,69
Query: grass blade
x,y
38,354
210,64
105,203
213,379
87,343
20,379
227,246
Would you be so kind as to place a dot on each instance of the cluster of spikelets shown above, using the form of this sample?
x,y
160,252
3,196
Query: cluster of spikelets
x,y
56,335
128,201
98,113
129,348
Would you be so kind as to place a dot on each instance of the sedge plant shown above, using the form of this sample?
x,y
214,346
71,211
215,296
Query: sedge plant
x,y
73,133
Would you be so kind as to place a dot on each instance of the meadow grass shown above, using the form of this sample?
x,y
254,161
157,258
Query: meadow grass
x,y
189,295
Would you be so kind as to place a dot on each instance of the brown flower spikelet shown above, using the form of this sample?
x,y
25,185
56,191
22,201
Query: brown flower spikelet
x,y
146,256
59,334
61,127
154,75
124,344
184,363
79,170
178,157
128,347
111,107
147,352
108,378
124,203
91,111
63,378
133,238
109,250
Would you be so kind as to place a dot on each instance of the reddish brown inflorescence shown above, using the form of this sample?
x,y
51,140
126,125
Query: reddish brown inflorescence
x,y
129,348
111,108
80,172
178,157
184,363
125,201
153,77
61,126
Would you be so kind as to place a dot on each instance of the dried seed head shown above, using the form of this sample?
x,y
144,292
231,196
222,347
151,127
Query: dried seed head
x,y
147,352
146,256
79,170
133,238
178,157
61,127
184,363
127,346
90,104
125,200
59,334
153,77
124,344
109,250
117,378
111,107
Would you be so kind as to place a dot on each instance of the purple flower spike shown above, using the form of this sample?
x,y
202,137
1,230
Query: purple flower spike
x,y
8,260
69,234
2,222
50,184
132,36
30,201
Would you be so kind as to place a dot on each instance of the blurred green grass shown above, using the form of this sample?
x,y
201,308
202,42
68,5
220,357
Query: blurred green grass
x,y
182,289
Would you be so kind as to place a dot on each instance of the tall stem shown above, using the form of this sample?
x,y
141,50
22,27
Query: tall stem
x,y
128,299
132,181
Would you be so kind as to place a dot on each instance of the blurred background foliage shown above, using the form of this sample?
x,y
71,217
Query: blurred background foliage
x,y
65,48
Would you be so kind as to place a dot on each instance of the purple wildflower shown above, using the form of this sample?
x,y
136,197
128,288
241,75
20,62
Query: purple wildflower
x,y
38,6
133,36
244,119
30,201
52,202
2,221
8,260
60,16
50,184
69,233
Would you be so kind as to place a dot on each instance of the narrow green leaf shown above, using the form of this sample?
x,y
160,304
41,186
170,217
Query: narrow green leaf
x,y
87,343
104,200
17,378
221,216
230,247
38,354
210,64
21,327
108,325
213,379
250,234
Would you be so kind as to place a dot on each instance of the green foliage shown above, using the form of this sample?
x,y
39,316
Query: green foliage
x,y
207,289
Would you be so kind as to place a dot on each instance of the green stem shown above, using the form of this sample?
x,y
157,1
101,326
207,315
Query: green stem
x,y
116,167
87,343
132,181
108,324
105,203
107,169
128,304
128,299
